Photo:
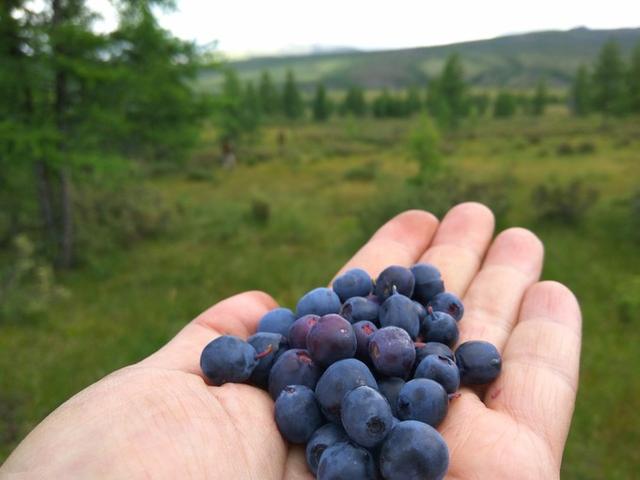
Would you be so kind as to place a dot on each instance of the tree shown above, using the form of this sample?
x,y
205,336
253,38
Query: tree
x,y
321,107
479,103
269,99
633,81
424,147
437,104
609,81
413,102
504,105
354,102
540,99
292,105
580,95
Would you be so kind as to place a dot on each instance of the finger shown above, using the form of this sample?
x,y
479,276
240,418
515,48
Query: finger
x,y
539,378
296,465
492,302
400,241
237,315
460,244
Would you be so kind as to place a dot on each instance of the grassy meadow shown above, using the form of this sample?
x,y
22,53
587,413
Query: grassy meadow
x,y
289,215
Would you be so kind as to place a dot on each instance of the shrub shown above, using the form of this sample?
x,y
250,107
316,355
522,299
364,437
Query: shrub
x,y
362,173
567,203
260,211
565,149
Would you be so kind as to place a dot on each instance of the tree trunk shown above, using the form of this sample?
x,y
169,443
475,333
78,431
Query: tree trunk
x,y
43,184
67,232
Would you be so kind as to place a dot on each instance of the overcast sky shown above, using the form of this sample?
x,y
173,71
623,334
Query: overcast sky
x,y
259,26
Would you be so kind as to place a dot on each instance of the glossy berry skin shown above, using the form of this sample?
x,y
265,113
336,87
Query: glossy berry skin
x,y
323,438
440,327
392,352
423,400
479,362
394,276
300,329
366,416
448,303
294,367
363,331
441,369
297,413
337,380
228,359
357,309
400,311
428,282
346,461
414,451
319,301
390,387
269,346
420,310
278,320
433,348
353,283
331,339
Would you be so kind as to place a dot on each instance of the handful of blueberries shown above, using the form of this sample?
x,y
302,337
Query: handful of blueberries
x,y
362,373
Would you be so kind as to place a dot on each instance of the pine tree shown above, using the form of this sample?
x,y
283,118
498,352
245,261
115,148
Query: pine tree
x,y
580,95
609,81
504,105
540,99
633,80
320,107
269,99
292,105
354,102
453,89
413,102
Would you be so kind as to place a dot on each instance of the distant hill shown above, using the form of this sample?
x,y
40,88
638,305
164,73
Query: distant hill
x,y
515,61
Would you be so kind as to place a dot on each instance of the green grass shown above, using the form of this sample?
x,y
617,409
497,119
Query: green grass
x,y
322,205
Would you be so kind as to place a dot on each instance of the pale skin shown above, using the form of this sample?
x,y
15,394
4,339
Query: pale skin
x,y
160,419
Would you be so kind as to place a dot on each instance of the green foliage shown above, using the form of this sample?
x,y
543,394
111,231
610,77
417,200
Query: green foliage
x,y
609,91
386,105
236,109
424,148
581,94
633,80
270,102
321,106
540,99
413,102
292,105
479,104
564,203
504,106
354,102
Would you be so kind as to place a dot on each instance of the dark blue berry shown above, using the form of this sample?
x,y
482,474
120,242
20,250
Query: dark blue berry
x,y
440,327
297,413
353,283
390,387
428,282
448,303
392,352
339,379
278,320
420,310
394,279
479,362
366,416
345,461
400,311
331,339
323,438
269,347
423,400
228,359
300,329
294,367
320,301
441,369
414,451
357,309
432,348
363,331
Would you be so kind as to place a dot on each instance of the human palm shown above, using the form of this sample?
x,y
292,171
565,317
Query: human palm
x,y
159,419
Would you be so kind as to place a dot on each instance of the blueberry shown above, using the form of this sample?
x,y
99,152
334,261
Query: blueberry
x,y
414,451
323,438
345,461
433,348
331,339
353,283
366,416
294,367
428,282
339,379
448,303
228,359
390,387
441,369
269,347
297,413
320,301
300,329
479,362
356,309
363,331
420,311
440,327
400,311
423,400
278,320
394,278
392,352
